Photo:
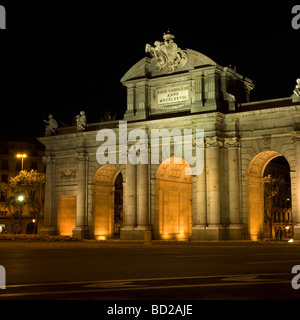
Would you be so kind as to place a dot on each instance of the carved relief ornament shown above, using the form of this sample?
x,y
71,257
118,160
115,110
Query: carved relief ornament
x,y
68,174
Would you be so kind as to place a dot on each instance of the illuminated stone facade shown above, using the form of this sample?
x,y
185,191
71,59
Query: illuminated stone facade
x,y
176,89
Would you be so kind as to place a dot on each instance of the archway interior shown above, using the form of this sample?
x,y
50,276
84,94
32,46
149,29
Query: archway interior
x,y
277,199
173,200
118,205
107,206
256,192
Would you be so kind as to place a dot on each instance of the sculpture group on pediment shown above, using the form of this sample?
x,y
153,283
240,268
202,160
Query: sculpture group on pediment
x,y
168,53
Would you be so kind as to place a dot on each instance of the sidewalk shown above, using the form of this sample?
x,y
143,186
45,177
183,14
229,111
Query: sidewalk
x,y
93,244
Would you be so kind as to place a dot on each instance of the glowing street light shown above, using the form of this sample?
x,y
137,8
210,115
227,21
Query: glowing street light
x,y
20,198
22,156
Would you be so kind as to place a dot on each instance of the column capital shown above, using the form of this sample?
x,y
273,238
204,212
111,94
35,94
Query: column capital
x,y
81,156
232,142
296,136
214,142
47,160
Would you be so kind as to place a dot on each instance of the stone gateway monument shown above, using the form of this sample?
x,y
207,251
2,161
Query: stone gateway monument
x,y
135,178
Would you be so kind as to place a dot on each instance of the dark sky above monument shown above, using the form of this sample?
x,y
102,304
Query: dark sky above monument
x,y
63,58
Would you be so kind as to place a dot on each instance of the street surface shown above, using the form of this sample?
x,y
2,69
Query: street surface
x,y
115,271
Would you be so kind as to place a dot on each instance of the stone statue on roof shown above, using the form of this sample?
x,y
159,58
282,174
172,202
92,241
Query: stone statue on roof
x,y
81,121
297,89
51,125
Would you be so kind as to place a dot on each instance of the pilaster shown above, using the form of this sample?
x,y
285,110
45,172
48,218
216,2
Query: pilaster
x,y
199,210
214,230
49,224
235,227
130,211
81,228
142,196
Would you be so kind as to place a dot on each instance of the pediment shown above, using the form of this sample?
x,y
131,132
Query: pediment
x,y
147,67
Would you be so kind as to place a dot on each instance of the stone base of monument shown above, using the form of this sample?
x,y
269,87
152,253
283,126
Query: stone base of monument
x,y
234,232
206,233
296,232
47,230
80,232
136,233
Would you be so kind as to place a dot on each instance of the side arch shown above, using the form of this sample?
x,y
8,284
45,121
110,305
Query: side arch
x,y
255,192
103,201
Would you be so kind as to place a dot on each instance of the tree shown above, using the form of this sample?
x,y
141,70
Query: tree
x,y
30,183
271,190
3,190
13,203
15,208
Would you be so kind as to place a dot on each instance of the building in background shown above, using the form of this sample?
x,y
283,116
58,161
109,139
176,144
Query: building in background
x,y
10,166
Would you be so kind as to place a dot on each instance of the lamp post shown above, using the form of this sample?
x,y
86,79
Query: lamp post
x,y
22,156
21,201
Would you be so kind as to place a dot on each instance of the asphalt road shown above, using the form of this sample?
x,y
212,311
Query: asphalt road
x,y
116,272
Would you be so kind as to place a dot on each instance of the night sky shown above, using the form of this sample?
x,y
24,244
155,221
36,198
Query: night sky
x,y
61,59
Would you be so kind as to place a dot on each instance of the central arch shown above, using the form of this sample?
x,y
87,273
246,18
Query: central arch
x,y
173,200
107,204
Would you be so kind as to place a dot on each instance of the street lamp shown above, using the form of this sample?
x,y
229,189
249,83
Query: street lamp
x,y
22,156
21,200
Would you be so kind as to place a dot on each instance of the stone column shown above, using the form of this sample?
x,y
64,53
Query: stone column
x,y
235,227
142,196
200,217
295,193
130,214
49,224
81,198
199,207
214,229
